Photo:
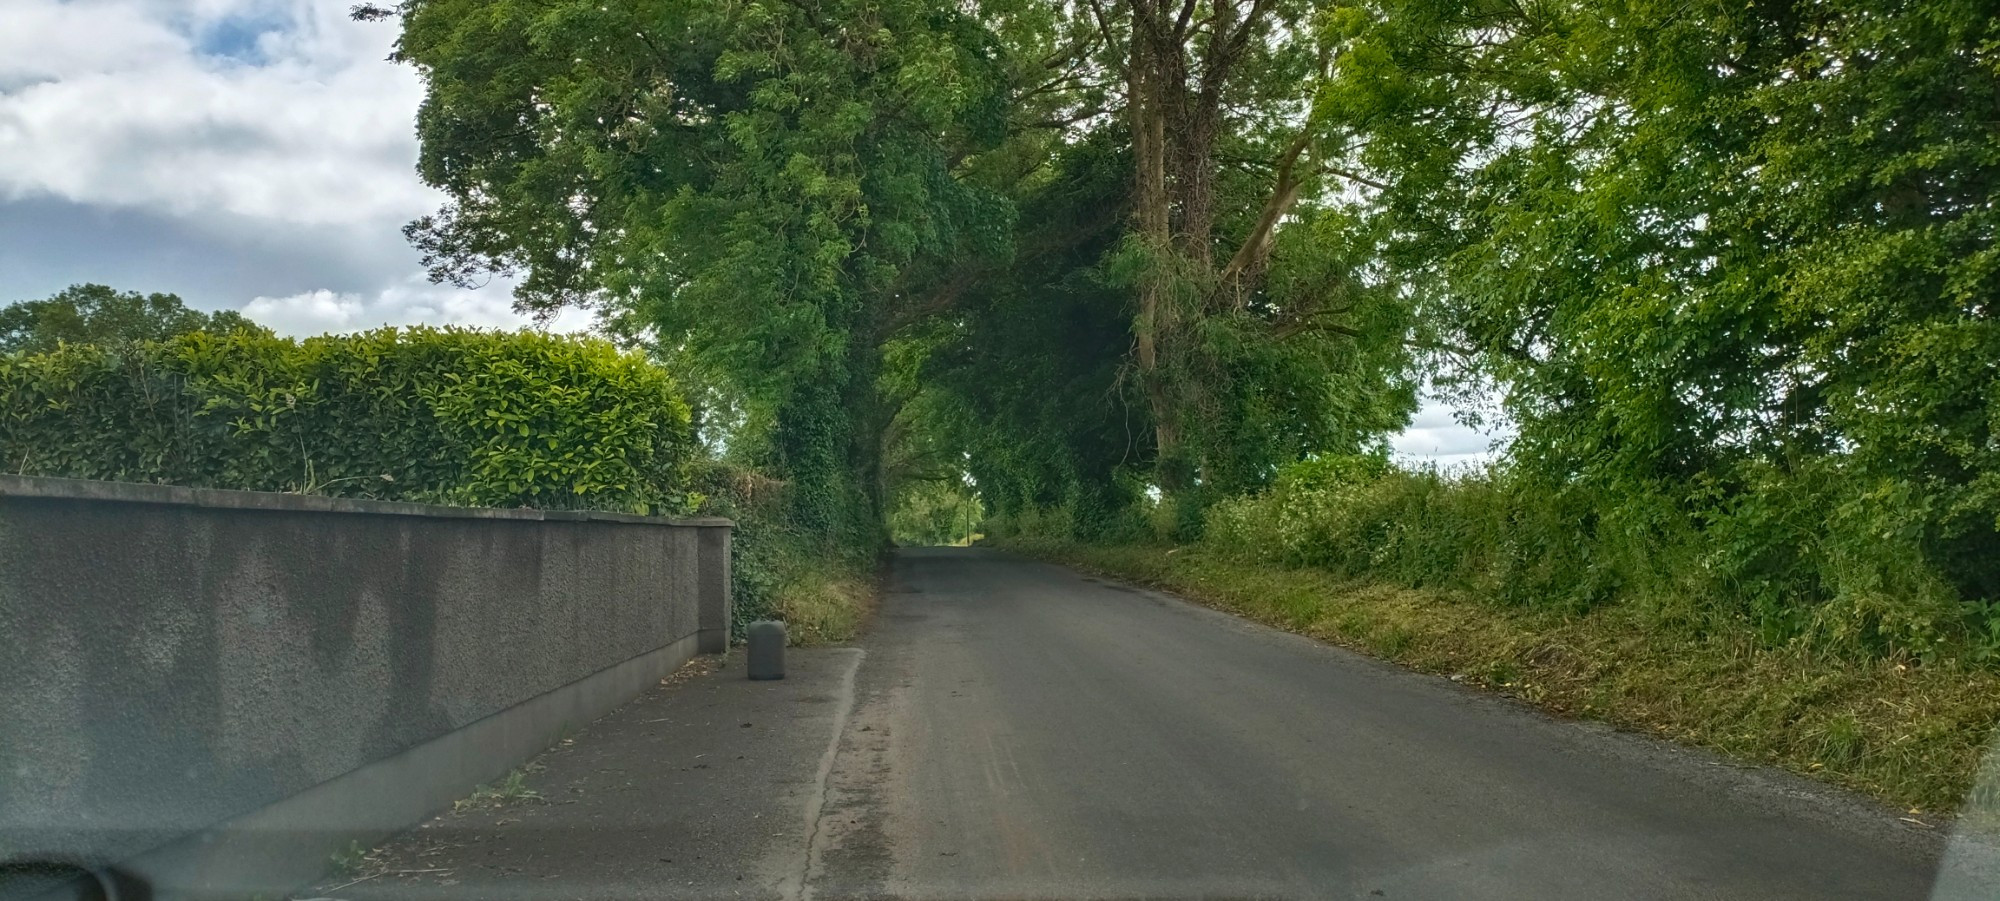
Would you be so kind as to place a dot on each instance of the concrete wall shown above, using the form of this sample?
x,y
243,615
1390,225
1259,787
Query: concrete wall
x,y
215,676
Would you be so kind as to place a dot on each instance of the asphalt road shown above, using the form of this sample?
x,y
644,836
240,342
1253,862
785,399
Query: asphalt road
x,y
1012,730
1020,731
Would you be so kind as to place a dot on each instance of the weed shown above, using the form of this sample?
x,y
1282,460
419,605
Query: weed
x,y
823,596
1839,741
821,607
1393,641
510,790
348,861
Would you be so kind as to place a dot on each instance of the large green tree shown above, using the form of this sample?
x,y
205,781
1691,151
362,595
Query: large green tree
x,y
762,188
96,314
1236,170
1703,246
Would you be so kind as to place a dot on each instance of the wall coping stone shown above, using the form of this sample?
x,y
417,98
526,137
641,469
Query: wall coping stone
x,y
43,487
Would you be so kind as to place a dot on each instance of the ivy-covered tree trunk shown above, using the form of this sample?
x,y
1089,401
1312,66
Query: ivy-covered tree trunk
x,y
826,446
1147,109
1179,65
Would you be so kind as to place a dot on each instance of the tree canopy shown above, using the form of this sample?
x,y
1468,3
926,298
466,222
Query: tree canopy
x,y
765,190
96,314
1087,253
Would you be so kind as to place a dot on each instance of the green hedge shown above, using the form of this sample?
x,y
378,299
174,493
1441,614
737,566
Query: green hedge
x,y
1816,556
448,416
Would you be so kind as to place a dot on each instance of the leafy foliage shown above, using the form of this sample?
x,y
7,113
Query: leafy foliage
x,y
95,314
435,415
755,186
779,570
1134,268
932,514
1042,391
1712,254
780,193
1799,560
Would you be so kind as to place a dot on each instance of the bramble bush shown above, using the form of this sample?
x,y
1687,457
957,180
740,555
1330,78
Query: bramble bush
x,y
452,416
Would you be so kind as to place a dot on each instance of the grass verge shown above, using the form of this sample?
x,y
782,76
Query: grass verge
x,y
824,606
1910,735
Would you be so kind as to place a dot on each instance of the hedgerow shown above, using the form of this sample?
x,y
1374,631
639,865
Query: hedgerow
x,y
1808,558
450,416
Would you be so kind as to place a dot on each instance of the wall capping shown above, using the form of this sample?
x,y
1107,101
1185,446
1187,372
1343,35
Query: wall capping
x,y
44,487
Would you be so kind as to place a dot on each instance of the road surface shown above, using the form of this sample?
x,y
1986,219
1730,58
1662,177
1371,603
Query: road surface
x,y
1013,730
1022,731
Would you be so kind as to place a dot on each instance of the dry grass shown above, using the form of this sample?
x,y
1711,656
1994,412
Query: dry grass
x,y
1907,734
826,607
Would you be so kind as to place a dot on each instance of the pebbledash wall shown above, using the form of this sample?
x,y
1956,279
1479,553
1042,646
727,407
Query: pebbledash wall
x,y
219,689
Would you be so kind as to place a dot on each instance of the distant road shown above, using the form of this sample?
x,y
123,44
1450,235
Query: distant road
x,y
1021,731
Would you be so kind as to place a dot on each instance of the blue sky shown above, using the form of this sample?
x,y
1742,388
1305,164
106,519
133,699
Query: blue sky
x,y
255,155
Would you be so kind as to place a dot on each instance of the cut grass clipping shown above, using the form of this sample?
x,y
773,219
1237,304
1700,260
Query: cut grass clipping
x,y
1909,735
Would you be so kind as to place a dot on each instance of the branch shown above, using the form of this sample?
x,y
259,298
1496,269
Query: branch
x,y
1064,121
1073,73
1181,21
1352,176
1080,49
1104,28
1295,327
1257,245
939,300
1241,39
1300,326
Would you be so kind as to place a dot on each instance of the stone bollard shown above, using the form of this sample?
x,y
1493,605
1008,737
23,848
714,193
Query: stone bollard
x,y
767,649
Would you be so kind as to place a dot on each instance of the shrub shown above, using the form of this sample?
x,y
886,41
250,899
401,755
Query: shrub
x,y
820,589
449,416
1810,556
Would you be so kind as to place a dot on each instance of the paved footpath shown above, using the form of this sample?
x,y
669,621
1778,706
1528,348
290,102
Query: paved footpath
x,y
698,789
1014,730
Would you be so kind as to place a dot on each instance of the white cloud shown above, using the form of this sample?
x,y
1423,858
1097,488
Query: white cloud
x,y
46,41
319,133
271,136
413,302
310,313
1435,436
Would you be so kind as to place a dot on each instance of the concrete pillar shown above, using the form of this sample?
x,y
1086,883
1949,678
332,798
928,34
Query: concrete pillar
x,y
712,579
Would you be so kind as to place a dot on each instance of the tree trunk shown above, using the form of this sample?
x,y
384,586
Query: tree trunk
x,y
1176,120
1154,326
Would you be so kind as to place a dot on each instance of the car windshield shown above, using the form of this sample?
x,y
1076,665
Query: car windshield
x,y
999,449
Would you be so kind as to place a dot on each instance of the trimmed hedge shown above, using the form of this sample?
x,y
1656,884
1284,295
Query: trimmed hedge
x,y
450,416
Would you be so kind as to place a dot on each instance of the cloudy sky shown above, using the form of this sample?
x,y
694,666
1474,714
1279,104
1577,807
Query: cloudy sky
x,y
248,154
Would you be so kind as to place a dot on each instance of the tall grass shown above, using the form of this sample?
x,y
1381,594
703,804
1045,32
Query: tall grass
x,y
820,587
1801,558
